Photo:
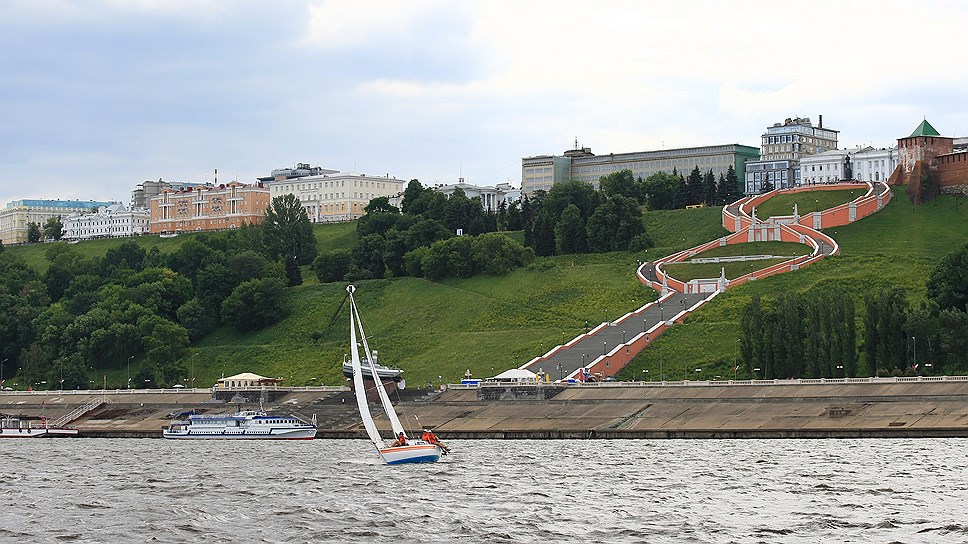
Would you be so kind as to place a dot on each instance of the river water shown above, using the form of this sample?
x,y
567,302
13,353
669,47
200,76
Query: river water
x,y
150,490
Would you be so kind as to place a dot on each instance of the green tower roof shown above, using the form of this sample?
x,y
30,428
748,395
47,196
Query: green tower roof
x,y
924,129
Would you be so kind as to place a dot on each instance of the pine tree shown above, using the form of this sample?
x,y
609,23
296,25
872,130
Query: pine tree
x,y
709,188
694,187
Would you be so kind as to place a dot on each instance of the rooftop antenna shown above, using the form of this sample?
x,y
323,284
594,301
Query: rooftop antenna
x,y
576,142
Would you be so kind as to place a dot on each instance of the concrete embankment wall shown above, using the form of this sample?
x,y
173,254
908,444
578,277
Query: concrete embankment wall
x,y
935,409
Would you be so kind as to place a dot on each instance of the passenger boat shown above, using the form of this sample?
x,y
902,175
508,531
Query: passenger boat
x,y
384,372
242,425
16,427
392,453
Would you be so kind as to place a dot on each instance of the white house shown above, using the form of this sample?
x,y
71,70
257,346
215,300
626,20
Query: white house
x,y
106,222
866,163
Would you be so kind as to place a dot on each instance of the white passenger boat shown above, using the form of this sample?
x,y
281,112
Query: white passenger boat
x,y
16,427
384,372
392,453
244,425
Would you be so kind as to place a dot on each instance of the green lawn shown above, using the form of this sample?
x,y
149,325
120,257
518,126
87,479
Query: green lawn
x,y
807,202
733,269
757,248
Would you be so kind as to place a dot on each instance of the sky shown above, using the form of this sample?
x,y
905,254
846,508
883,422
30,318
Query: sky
x,y
97,96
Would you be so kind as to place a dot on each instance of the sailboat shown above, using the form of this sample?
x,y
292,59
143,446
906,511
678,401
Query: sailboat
x,y
414,451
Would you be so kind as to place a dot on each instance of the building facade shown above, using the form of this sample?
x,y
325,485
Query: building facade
x,y
782,147
208,208
864,163
491,197
17,215
543,171
148,189
339,196
927,154
107,222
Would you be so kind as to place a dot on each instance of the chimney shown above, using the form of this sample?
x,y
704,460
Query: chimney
x,y
821,121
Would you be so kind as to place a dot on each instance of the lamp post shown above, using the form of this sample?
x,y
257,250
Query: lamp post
x,y
604,343
698,373
645,372
840,370
560,373
623,337
1,369
915,340
129,371
757,371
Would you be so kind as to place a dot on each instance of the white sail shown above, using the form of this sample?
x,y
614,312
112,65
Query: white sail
x,y
415,450
371,430
384,398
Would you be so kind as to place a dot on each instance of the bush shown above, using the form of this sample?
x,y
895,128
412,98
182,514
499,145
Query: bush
x,y
332,265
255,304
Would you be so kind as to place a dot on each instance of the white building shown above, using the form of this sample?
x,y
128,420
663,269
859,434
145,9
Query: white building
x,y
339,196
491,197
16,217
866,164
106,222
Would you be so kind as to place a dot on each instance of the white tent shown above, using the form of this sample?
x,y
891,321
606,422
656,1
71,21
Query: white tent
x,y
515,375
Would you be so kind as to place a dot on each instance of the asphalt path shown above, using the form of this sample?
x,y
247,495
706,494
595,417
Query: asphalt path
x,y
583,352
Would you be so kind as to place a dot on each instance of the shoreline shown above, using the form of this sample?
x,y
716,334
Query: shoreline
x,y
921,409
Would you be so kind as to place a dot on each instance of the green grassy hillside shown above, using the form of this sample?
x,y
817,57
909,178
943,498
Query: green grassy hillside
x,y
807,202
443,328
896,247
485,324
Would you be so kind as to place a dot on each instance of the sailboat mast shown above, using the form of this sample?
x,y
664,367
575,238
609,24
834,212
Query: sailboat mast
x,y
358,385
377,381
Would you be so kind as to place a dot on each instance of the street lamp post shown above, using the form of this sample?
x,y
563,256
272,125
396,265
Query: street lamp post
x,y
757,371
645,372
840,370
560,373
915,340
1,370
604,343
129,371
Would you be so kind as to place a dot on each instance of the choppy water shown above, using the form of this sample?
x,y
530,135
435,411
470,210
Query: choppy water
x,y
129,490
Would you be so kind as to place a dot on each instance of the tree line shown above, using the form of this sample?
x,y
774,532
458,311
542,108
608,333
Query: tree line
x,y
813,335
86,315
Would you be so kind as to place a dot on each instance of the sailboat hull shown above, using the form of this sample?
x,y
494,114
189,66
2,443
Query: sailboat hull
x,y
417,453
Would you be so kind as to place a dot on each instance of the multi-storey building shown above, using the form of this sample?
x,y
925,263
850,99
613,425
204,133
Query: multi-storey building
x,y
17,215
209,208
336,196
782,148
543,171
491,197
148,189
107,222
860,163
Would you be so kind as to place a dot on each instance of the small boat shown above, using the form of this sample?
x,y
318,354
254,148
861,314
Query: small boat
x,y
392,453
19,427
384,372
242,425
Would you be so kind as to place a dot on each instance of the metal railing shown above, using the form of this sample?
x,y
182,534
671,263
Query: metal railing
x,y
715,383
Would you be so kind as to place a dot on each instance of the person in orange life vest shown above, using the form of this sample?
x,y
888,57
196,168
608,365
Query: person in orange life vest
x,y
400,441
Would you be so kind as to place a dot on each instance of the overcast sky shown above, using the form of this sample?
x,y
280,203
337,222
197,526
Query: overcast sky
x,y
97,96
